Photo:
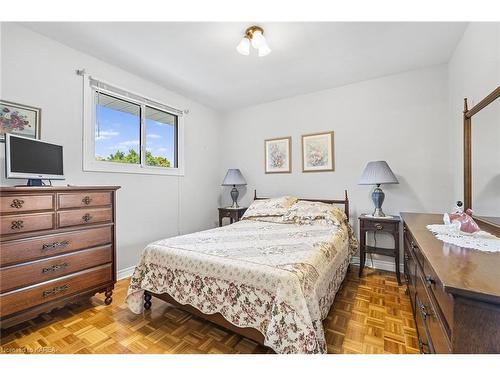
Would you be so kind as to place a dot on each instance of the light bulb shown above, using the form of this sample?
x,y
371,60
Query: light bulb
x,y
244,46
264,50
258,39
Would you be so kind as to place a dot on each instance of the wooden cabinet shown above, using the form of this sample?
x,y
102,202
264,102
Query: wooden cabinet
x,y
455,292
234,214
57,245
388,225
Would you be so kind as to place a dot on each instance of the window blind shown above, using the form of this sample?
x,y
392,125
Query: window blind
x,y
105,87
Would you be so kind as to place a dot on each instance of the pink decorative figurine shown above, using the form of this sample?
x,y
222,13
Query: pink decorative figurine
x,y
463,221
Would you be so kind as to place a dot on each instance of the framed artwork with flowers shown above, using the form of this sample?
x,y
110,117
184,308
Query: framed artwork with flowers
x,y
19,119
277,155
317,152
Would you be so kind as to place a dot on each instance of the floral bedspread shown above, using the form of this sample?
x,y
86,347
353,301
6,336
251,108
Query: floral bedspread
x,y
280,279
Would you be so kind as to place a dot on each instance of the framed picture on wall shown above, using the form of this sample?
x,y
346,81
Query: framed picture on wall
x,y
277,155
317,152
19,119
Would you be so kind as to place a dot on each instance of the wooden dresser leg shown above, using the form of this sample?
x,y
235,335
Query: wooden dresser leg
x,y
147,300
108,293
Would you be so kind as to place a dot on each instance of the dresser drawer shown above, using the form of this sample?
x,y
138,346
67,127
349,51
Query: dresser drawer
x,y
443,299
21,299
410,271
434,327
23,203
47,269
78,200
414,249
12,224
20,251
86,216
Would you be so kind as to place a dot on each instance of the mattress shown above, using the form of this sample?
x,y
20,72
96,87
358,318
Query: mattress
x,y
280,279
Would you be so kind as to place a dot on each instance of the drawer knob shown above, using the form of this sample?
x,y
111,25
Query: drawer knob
x,y
55,268
17,224
86,218
423,310
86,200
55,245
429,280
17,203
56,290
379,226
424,348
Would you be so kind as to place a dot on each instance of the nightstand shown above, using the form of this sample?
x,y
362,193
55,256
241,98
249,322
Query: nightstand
x,y
376,225
234,214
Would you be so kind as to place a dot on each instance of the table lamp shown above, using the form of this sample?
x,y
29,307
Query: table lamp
x,y
377,173
234,178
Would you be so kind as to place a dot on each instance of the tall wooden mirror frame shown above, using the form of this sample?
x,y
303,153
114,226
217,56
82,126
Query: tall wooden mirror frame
x,y
468,113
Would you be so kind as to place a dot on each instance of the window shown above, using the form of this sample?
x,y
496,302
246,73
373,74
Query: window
x,y
127,133
161,138
117,130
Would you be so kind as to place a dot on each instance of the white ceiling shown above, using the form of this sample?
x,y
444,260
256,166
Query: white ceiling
x,y
199,59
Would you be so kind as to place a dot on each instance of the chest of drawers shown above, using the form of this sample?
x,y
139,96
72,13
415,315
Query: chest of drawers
x,y
57,244
455,292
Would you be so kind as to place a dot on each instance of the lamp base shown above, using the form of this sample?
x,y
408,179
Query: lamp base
x,y
378,197
234,195
378,213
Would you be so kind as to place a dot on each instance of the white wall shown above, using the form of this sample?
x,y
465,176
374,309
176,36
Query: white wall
x,y
400,118
41,72
411,120
474,71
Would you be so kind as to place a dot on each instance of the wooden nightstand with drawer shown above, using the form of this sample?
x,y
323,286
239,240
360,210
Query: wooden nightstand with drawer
x,y
57,245
234,214
388,225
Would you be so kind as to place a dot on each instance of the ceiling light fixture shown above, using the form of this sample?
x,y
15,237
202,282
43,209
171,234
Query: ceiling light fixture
x,y
254,35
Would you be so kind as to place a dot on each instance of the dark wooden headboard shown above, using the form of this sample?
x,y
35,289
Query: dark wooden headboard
x,y
344,201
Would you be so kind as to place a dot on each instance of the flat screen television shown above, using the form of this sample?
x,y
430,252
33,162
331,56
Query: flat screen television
x,y
32,159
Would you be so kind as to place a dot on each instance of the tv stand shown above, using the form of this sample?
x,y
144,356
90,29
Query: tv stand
x,y
34,182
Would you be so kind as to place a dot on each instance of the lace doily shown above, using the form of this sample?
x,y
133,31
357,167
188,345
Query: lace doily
x,y
483,241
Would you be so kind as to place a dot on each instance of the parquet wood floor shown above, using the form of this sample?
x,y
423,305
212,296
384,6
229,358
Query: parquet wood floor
x,y
370,315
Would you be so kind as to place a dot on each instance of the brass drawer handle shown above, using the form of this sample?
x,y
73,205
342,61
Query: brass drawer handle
x,y
429,280
17,224
86,218
424,348
17,203
86,200
379,226
423,309
55,268
55,245
56,290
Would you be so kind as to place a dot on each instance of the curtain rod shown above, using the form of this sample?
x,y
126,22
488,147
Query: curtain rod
x,y
83,73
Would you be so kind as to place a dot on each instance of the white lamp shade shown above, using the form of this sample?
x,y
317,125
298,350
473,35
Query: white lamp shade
x,y
264,50
258,39
377,172
244,46
233,177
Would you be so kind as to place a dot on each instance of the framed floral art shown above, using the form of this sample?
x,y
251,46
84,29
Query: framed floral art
x,y
19,119
317,152
277,155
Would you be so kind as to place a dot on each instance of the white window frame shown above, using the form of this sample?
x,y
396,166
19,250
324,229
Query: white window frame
x,y
90,163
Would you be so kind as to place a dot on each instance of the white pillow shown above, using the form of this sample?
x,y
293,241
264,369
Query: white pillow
x,y
269,207
305,212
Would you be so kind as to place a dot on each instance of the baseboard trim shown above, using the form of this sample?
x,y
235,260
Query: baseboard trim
x,y
383,265
124,273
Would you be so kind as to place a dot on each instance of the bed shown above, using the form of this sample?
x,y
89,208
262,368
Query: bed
x,y
268,279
